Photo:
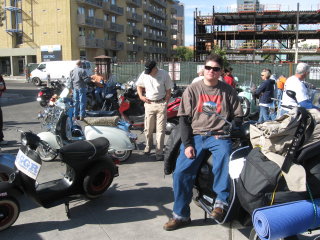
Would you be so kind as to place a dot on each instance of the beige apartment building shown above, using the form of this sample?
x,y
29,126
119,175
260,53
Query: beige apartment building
x,y
50,30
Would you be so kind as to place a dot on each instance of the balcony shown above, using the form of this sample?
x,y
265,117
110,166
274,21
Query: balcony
x,y
134,16
162,39
89,21
133,31
134,47
173,21
113,27
160,50
174,41
160,2
84,42
173,11
149,49
135,3
151,9
91,3
155,24
173,31
112,8
113,45
149,36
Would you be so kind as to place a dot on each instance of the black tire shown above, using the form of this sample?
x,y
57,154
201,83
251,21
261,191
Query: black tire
x,y
245,106
36,81
9,212
98,179
43,103
122,155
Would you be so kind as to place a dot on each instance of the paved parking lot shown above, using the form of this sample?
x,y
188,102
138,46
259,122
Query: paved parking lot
x,y
136,206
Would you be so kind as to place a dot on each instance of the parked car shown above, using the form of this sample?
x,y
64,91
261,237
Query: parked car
x,y
56,70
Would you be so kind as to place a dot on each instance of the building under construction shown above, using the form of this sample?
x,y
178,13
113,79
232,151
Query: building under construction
x,y
254,33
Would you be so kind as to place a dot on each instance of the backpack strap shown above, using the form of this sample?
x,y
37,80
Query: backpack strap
x,y
301,135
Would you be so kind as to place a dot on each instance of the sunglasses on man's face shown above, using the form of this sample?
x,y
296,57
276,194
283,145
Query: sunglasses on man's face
x,y
215,69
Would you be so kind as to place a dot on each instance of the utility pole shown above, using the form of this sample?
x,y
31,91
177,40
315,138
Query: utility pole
x,y
297,36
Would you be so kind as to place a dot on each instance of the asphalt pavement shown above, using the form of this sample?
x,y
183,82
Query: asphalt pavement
x,y
136,205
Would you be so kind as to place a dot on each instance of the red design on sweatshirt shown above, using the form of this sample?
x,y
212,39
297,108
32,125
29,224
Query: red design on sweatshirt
x,y
209,98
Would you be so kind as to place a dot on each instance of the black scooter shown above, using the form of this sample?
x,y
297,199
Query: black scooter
x,y
89,172
45,93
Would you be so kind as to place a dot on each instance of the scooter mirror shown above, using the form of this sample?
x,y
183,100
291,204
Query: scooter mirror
x,y
209,108
292,94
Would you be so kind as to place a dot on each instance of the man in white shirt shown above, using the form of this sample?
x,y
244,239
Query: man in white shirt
x,y
295,83
157,85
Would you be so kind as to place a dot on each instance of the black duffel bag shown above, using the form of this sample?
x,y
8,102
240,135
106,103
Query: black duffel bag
x,y
261,182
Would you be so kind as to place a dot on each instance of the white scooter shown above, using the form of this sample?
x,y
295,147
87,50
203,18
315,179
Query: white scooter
x,y
61,130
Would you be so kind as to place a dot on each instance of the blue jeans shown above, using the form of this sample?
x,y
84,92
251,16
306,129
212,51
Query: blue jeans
x,y
264,114
186,171
80,102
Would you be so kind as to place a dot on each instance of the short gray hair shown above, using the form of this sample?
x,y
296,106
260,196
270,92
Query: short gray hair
x,y
302,68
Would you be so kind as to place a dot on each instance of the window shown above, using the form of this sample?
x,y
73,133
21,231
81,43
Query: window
x,y
90,12
113,2
113,19
106,17
81,10
82,31
91,33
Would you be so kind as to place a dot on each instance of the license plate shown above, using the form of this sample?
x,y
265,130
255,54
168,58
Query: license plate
x,y
39,99
27,165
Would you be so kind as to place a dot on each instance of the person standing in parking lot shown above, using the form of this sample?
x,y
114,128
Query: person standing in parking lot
x,y
157,85
2,89
78,84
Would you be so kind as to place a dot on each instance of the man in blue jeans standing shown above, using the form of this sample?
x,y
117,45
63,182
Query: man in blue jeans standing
x,y
265,92
194,126
78,84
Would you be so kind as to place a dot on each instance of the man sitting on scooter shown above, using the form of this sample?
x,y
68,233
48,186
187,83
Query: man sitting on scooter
x,y
194,126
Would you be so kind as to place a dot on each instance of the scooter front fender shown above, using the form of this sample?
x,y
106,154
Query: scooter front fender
x,y
50,138
118,138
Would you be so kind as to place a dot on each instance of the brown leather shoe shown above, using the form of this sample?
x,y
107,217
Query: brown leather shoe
x,y
174,224
218,214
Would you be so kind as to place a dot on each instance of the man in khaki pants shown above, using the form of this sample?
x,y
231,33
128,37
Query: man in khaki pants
x,y
157,85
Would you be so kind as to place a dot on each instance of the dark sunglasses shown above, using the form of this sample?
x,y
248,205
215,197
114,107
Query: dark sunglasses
x,y
215,69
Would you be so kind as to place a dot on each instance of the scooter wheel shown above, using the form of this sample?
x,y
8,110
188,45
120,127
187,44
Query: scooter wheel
x,y
9,212
43,104
98,179
245,104
122,155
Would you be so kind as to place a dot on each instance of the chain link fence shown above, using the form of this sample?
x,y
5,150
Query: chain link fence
x,y
188,71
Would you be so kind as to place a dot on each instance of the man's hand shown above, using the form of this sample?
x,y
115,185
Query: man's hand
x,y
189,152
144,99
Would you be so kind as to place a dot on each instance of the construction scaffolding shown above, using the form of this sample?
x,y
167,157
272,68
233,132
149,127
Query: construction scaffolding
x,y
263,31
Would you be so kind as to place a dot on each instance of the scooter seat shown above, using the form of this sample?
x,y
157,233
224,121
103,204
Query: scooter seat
x,y
102,113
83,150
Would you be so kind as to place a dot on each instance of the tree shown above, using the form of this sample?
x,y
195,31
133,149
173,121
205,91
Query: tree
x,y
183,54
222,52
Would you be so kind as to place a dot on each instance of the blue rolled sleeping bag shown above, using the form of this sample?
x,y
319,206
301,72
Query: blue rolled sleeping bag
x,y
286,219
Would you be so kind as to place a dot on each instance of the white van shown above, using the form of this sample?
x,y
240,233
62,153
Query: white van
x,y
57,70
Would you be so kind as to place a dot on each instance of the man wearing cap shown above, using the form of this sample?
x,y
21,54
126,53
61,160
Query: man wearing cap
x,y
157,84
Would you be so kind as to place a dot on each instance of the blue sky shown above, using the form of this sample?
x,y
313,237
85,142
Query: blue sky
x,y
205,7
